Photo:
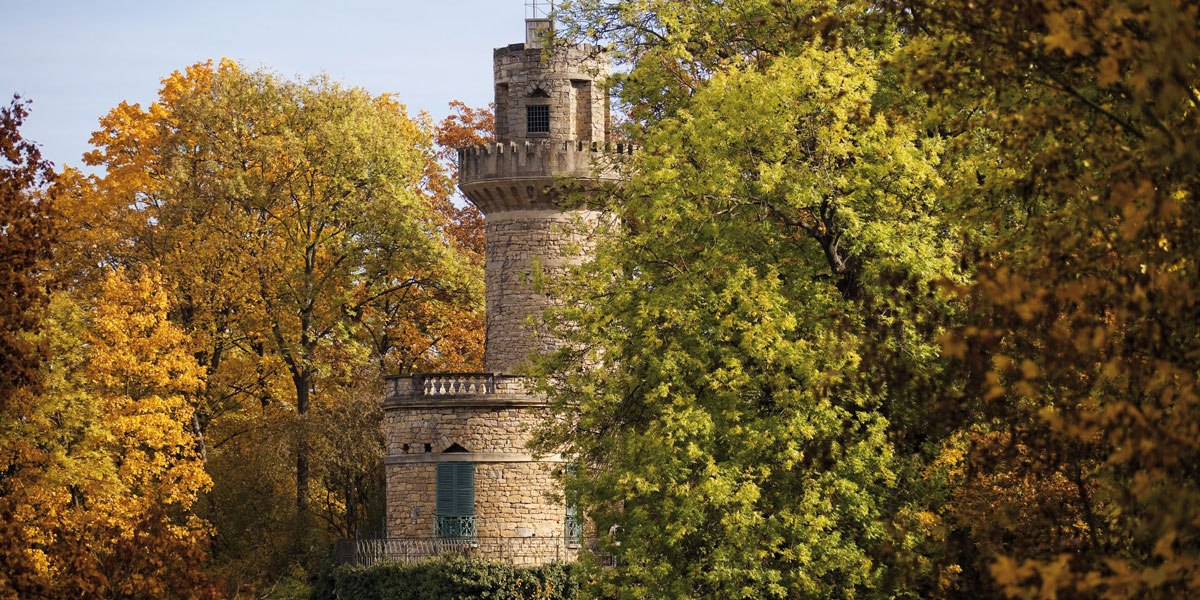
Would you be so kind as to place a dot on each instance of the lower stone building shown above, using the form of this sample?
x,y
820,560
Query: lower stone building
x,y
459,477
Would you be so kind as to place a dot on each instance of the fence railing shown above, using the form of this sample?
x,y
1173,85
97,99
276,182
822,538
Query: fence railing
x,y
516,551
454,527
572,531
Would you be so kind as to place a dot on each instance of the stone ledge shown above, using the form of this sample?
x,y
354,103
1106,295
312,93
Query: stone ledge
x,y
465,401
475,457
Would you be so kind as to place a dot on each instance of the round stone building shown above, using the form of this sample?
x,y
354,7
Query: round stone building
x,y
459,476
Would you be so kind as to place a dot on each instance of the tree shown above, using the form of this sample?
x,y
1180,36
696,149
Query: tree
x,y
1080,355
109,472
464,127
25,234
26,230
422,332
753,338
298,232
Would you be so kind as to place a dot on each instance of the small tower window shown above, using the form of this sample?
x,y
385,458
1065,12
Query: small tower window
x,y
537,118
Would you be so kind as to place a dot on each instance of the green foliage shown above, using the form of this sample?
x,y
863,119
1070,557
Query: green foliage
x,y
750,337
761,330
446,579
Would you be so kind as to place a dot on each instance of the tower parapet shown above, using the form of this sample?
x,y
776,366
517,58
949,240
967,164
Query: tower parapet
x,y
525,175
552,121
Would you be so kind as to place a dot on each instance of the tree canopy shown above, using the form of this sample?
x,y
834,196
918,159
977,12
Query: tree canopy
x,y
252,256
898,301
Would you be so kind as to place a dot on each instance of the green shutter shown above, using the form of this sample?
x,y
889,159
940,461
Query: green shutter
x,y
464,489
456,489
445,488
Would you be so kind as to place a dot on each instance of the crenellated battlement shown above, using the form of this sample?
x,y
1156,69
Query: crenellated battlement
x,y
544,147
524,175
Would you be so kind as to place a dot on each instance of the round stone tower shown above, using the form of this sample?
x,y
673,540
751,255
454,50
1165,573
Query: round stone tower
x,y
459,476
551,130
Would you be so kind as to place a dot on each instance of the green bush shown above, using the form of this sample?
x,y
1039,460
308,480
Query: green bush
x,y
445,579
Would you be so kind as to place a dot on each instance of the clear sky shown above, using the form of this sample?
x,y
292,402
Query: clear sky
x,y
76,59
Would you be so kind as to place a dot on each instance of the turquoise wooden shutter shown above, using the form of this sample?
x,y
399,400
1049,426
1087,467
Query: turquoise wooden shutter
x,y
464,489
456,489
445,488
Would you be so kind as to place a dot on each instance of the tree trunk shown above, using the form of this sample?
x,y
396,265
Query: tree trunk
x,y
303,382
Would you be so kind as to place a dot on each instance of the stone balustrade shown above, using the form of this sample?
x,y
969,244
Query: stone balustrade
x,y
451,388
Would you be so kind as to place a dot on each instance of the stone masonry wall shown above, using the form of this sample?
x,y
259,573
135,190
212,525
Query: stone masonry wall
x,y
512,499
411,499
570,82
478,430
518,495
518,244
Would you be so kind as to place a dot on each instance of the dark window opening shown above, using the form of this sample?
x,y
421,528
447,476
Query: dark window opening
x,y
455,448
537,118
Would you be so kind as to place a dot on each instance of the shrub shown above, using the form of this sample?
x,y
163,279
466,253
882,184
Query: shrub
x,y
445,579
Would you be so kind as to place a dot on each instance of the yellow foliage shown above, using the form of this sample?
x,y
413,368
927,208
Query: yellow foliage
x,y
105,500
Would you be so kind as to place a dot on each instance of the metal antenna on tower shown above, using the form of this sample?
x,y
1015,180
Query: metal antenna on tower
x,y
538,22
539,9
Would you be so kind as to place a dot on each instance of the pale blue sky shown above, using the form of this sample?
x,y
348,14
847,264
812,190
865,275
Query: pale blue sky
x,y
76,59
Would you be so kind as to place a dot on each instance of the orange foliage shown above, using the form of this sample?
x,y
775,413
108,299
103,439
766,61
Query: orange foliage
x,y
103,462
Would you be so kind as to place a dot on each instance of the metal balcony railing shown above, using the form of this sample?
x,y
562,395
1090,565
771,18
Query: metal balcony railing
x,y
573,531
454,527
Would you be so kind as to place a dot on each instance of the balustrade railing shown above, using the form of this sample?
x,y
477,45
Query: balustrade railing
x,y
454,527
449,385
453,384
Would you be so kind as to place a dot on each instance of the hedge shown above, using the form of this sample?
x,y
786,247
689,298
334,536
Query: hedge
x,y
445,579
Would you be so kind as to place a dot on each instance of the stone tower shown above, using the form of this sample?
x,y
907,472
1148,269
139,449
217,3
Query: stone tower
x,y
459,476
551,123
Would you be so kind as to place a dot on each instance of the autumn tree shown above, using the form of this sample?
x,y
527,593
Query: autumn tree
x,y
108,466
26,229
1081,355
25,234
305,252
463,127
